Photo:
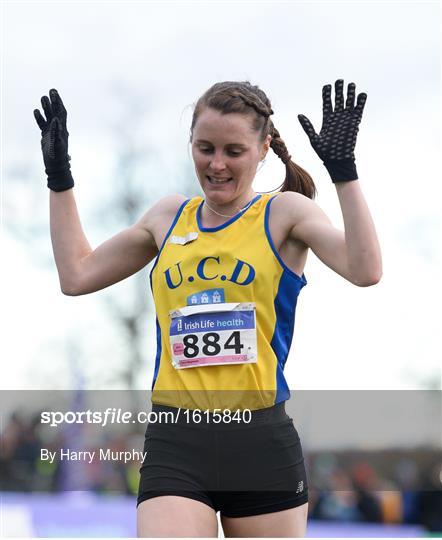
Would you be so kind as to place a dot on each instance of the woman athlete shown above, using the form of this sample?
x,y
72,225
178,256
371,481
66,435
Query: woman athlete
x,y
228,269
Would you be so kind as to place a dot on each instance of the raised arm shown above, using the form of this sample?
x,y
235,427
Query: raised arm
x,y
354,254
82,269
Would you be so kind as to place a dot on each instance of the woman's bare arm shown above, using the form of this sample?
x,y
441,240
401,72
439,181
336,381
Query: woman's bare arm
x,y
84,270
354,253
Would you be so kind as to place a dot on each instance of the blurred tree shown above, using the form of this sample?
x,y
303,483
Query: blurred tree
x,y
135,188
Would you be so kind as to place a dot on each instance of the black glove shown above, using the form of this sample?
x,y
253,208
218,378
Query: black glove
x,y
337,140
54,142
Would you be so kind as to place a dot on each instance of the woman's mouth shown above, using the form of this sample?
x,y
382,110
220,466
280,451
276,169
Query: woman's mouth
x,y
214,180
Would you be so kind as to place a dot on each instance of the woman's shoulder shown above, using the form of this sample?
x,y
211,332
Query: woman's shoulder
x,y
162,211
172,203
168,205
288,209
289,197
175,200
286,202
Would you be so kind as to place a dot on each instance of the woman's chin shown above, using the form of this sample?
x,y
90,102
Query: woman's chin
x,y
219,194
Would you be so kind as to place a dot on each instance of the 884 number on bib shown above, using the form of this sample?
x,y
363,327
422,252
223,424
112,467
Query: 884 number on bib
x,y
214,338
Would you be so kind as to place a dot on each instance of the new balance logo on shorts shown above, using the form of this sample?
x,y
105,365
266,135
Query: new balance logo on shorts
x,y
300,487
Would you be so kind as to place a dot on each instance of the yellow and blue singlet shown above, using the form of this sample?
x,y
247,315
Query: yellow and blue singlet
x,y
233,263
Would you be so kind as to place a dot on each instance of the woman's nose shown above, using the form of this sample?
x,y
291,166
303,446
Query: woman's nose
x,y
217,161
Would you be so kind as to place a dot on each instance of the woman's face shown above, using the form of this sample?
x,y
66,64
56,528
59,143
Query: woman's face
x,y
226,153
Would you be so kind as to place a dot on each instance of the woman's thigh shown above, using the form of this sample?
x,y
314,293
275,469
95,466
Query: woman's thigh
x,y
170,516
283,524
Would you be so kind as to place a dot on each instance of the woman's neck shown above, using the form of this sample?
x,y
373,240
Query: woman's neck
x,y
230,209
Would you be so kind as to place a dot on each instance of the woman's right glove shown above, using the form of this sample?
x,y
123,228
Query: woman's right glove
x,y
54,142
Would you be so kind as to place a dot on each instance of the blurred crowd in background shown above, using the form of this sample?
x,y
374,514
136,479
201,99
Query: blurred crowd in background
x,y
344,486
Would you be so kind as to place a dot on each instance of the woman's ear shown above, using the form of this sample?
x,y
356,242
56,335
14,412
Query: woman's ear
x,y
265,147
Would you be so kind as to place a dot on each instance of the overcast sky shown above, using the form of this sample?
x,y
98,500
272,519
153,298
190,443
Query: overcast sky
x,y
165,55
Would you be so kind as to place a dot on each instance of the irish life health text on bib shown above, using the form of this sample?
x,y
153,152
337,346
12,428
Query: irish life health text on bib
x,y
213,335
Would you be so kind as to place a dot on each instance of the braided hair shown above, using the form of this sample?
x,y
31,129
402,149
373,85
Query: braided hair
x,y
245,98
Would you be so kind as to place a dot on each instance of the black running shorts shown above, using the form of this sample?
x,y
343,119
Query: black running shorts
x,y
239,469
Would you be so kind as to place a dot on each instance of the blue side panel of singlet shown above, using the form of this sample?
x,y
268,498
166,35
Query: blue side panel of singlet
x,y
285,307
159,348
286,298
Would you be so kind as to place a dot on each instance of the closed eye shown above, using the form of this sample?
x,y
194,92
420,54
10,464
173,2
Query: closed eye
x,y
230,152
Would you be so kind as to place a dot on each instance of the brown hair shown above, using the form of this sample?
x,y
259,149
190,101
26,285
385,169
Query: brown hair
x,y
244,98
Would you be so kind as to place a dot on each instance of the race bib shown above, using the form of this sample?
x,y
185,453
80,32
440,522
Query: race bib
x,y
213,335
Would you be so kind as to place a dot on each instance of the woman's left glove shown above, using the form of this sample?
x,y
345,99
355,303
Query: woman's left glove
x,y
54,142
336,141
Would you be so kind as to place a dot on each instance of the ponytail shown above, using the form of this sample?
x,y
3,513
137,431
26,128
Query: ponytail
x,y
296,178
